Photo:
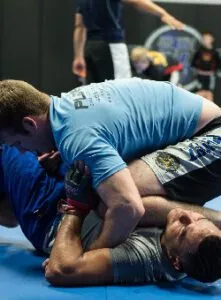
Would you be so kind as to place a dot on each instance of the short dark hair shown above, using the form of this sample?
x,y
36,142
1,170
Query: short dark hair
x,y
17,100
205,264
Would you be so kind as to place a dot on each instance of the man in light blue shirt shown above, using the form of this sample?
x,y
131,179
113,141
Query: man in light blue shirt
x,y
111,123
106,126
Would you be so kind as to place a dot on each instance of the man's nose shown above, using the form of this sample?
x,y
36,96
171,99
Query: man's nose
x,y
185,219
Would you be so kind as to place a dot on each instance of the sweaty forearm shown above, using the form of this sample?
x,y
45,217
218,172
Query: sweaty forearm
x,y
69,266
119,222
79,39
67,239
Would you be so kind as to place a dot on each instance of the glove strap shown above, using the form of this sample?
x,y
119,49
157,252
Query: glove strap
x,y
84,208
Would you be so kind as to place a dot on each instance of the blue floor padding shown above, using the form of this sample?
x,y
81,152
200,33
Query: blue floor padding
x,y
21,277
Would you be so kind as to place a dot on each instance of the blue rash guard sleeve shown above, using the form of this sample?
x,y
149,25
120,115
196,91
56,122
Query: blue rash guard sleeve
x,y
32,193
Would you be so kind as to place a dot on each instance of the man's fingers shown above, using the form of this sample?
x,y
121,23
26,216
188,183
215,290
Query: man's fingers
x,y
56,155
83,169
44,157
178,25
80,166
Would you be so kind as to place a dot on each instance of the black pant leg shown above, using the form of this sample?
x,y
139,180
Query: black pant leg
x,y
99,61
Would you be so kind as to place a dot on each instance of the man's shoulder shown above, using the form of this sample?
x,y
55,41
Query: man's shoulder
x,y
156,257
151,232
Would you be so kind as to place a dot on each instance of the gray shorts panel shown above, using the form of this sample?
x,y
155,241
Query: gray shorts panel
x,y
193,163
90,231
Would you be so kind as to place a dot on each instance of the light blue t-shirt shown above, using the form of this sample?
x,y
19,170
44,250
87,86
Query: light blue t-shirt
x,y
108,124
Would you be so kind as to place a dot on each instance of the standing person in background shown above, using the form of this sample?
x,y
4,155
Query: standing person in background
x,y
206,62
99,49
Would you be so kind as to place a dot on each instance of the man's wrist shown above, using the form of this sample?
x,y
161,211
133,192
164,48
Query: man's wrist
x,y
72,223
79,56
76,213
72,207
71,218
164,14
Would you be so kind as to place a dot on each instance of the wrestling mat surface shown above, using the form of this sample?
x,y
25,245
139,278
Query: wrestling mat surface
x,y
21,277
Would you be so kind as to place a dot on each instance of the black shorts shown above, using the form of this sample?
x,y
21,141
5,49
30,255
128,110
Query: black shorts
x,y
190,171
206,83
106,61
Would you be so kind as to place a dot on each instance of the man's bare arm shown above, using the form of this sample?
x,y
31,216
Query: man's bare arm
x,y
152,8
79,40
79,36
69,266
124,209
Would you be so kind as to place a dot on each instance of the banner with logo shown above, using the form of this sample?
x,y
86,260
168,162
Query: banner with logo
x,y
181,45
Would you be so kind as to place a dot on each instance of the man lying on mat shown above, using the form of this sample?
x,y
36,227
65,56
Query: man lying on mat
x,y
190,244
109,124
146,256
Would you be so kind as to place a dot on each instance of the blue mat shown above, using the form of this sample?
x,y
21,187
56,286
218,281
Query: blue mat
x,y
21,277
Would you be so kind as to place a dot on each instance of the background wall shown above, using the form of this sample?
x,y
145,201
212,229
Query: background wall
x,y
36,42
36,37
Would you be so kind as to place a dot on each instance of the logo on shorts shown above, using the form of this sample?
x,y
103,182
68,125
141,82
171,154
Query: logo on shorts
x,y
167,161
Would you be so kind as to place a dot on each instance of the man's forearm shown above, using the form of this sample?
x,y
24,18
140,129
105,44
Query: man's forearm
x,y
79,40
68,238
148,6
125,208
69,266
118,224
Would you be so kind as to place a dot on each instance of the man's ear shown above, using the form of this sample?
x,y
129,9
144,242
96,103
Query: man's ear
x,y
175,260
30,125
